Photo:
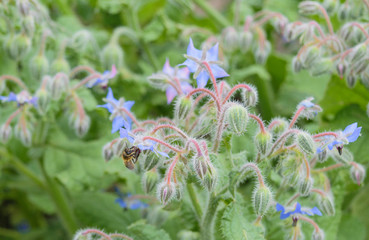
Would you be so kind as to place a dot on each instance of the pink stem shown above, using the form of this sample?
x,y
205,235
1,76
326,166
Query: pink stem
x,y
136,130
15,80
115,235
257,171
361,29
326,134
12,116
238,86
162,143
338,165
81,68
320,192
179,85
79,105
130,115
86,80
210,72
184,135
147,122
259,121
327,19
296,116
306,219
96,232
164,119
170,170
208,92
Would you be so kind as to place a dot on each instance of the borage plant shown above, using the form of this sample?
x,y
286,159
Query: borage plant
x,y
193,155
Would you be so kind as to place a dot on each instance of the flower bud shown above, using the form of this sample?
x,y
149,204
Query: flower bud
x,y
308,8
58,85
290,165
322,156
24,135
182,107
119,147
237,118
23,6
326,205
28,24
330,6
305,142
210,178
358,53
107,152
344,12
305,186
341,68
318,235
150,180
230,39
250,97
310,55
322,66
20,46
200,165
278,126
158,80
262,197
245,40
357,173
262,141
39,66
261,52
294,178
43,100
150,161
297,64
345,157
359,66
5,132
60,65
82,125
166,191
112,54
179,191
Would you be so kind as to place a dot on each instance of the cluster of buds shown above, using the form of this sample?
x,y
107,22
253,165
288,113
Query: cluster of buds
x,y
92,233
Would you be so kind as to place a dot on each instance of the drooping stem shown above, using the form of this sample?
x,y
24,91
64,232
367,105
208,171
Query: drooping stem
x,y
80,69
95,231
280,139
12,116
86,80
120,235
208,92
130,115
162,143
259,121
326,134
256,169
171,168
307,166
238,86
306,219
327,19
14,79
338,165
184,135
194,200
297,114
212,77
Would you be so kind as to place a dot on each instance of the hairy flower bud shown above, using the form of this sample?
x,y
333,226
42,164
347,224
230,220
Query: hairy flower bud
x,y
158,80
250,97
278,126
183,107
326,205
166,191
200,165
297,64
262,141
119,146
24,135
357,173
23,6
237,118
261,52
305,186
344,12
323,155
322,66
308,8
107,152
330,6
341,68
179,191
290,165
318,235
262,197
305,142
5,132
58,85
345,157
245,40
351,80
82,125
43,100
210,178
359,67
150,161
20,46
358,53
60,65
230,39
150,180
310,55
28,24
112,54
39,66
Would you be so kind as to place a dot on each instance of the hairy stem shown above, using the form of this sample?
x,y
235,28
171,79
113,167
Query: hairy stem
x,y
194,200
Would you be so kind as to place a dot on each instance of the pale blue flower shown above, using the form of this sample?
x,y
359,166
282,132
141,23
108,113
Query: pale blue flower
x,y
298,210
104,79
21,98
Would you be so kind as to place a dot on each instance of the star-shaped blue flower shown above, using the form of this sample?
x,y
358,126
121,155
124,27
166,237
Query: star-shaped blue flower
x,y
310,109
21,98
182,75
196,57
298,210
104,79
113,106
127,202
349,135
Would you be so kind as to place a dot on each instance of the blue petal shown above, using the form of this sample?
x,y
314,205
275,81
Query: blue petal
x,y
202,79
12,97
121,203
137,205
183,73
128,105
353,137
118,122
170,93
307,104
316,211
334,143
186,87
319,150
167,69
350,128
191,65
218,71
212,53
123,133
192,51
298,208
163,154
279,207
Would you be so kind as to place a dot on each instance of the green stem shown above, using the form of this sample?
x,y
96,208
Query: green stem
x,y
207,223
214,14
19,165
136,26
63,209
194,200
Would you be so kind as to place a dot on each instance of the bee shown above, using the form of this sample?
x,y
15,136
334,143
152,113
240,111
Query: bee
x,y
130,156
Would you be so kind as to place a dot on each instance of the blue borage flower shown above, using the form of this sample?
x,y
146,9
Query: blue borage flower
x,y
350,134
21,98
127,201
104,79
114,107
182,75
298,210
310,109
196,57
135,140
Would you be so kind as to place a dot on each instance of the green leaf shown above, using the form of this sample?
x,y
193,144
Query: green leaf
x,y
141,230
236,224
